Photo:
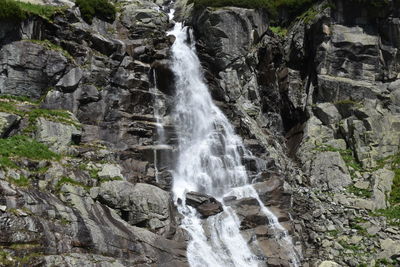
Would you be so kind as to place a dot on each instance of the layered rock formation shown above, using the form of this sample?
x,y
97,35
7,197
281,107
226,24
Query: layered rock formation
x,y
319,109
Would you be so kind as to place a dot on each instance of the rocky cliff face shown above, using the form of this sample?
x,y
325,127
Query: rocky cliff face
x,y
319,108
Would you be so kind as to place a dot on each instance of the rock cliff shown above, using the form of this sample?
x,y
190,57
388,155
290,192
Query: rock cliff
x,y
85,182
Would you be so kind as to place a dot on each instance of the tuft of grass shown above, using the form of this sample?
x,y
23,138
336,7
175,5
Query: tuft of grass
x,y
365,193
68,180
22,146
392,214
282,32
49,45
101,9
23,181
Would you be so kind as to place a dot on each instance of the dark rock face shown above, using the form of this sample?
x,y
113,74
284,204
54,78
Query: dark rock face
x,y
206,205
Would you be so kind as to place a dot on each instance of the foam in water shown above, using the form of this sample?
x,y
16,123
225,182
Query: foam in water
x,y
210,161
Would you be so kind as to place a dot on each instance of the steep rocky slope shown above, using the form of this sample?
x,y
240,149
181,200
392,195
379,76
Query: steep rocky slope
x,y
319,108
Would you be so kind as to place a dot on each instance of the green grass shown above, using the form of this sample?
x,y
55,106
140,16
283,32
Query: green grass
x,y
68,180
24,147
49,45
365,193
7,163
11,10
392,214
11,104
101,9
23,181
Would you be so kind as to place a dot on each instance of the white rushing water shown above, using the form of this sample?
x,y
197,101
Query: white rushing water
x,y
210,162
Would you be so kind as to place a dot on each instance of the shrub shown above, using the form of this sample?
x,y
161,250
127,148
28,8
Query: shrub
x,y
101,9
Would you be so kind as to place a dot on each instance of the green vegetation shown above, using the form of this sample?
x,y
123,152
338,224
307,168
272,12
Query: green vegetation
x,y
101,9
11,104
347,155
392,214
345,245
365,193
22,181
49,45
282,32
22,146
68,180
11,10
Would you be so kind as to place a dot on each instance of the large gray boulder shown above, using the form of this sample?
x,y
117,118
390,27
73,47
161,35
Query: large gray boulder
x,y
57,135
139,204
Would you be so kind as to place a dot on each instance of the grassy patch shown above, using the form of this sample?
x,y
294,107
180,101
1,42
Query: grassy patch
x,y
364,193
23,181
22,146
68,180
10,104
11,10
101,9
392,214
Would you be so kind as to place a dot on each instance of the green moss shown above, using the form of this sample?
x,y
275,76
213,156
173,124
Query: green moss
x,y
22,146
46,11
101,9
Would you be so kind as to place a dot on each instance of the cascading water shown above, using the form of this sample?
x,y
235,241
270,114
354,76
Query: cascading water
x,y
210,161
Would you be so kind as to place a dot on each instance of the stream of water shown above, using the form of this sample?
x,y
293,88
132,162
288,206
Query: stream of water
x,y
210,161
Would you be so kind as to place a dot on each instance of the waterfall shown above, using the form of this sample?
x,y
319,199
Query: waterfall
x,y
210,162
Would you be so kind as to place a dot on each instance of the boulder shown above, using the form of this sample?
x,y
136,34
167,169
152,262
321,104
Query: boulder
x,y
57,135
327,113
329,171
69,82
206,205
110,171
140,204
328,264
7,121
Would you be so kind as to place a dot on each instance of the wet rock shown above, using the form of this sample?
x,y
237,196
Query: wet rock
x,y
206,205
